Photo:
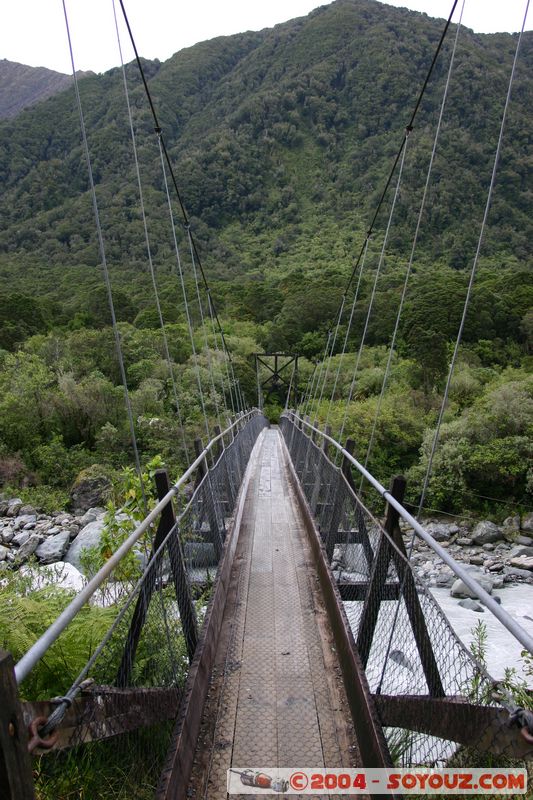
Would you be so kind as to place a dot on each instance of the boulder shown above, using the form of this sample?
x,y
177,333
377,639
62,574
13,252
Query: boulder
x,y
59,574
517,572
527,540
522,562
7,535
527,522
21,538
445,577
28,511
521,550
53,548
442,531
486,533
3,553
13,506
89,536
28,548
24,519
91,488
90,515
464,541
460,589
471,605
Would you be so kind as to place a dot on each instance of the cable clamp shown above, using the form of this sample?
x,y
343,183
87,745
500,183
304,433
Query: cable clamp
x,y
158,130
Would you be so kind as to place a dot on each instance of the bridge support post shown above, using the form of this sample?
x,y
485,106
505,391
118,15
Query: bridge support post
x,y
337,500
16,780
385,553
187,611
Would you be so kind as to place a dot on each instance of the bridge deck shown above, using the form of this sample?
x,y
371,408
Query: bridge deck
x,y
276,697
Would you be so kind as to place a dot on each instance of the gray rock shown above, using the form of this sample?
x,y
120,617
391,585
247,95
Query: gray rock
x,y
486,533
471,605
442,531
28,548
511,524
7,535
478,561
521,550
516,572
526,540
13,507
460,589
29,526
24,519
464,541
28,511
56,574
21,538
400,658
444,577
88,492
3,553
91,515
53,548
89,536
52,531
488,546
522,562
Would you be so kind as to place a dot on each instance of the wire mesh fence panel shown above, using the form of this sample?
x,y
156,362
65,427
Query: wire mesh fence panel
x,y
437,702
121,665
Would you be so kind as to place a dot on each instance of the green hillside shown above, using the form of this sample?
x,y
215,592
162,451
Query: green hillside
x,y
281,142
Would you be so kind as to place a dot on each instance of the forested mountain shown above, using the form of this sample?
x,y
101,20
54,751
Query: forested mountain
x,y
281,141
22,86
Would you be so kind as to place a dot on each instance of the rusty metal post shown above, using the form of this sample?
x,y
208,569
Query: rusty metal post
x,y
336,502
177,565
378,575
16,779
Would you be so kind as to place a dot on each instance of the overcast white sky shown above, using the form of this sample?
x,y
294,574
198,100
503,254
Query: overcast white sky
x,y
33,31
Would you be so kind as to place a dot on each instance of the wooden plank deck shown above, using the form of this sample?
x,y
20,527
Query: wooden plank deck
x,y
276,697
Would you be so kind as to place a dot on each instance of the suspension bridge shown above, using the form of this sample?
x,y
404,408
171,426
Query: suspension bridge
x,y
238,645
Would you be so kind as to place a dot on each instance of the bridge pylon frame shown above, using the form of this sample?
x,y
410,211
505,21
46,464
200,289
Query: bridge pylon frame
x,y
275,381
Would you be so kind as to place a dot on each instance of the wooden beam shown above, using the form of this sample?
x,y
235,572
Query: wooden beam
x,y
105,712
483,728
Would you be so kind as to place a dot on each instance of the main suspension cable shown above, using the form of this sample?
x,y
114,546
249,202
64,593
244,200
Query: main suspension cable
x,y
474,268
159,131
413,247
147,241
103,257
374,287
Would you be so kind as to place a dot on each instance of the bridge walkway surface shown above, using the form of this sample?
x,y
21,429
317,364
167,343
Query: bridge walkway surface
x,y
276,697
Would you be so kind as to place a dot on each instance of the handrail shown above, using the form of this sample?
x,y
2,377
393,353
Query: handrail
x,y
504,617
37,650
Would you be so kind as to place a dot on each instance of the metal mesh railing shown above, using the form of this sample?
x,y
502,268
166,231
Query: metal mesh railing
x,y
434,698
122,662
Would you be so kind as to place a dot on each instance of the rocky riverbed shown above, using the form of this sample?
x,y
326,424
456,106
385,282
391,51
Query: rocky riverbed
x,y
498,556
46,539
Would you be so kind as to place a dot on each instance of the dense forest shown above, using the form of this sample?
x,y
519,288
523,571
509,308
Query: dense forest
x,y
281,141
